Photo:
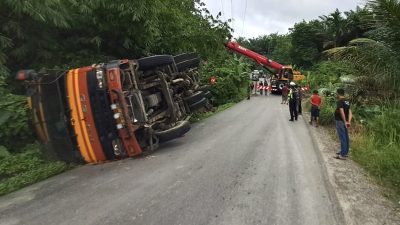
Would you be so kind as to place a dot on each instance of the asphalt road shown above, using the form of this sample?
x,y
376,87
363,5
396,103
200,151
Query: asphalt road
x,y
246,165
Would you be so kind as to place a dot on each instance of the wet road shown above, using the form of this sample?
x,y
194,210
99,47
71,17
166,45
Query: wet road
x,y
246,165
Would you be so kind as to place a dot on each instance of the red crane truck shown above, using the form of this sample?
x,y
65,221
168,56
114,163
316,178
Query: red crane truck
x,y
281,74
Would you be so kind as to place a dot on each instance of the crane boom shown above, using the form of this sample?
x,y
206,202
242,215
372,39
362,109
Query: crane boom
x,y
280,76
260,59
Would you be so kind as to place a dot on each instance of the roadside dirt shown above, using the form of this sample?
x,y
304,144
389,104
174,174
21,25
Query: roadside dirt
x,y
361,199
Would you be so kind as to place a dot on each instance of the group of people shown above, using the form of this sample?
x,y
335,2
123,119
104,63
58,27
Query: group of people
x,y
343,115
261,87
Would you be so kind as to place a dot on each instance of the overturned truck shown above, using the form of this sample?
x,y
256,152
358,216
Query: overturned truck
x,y
117,109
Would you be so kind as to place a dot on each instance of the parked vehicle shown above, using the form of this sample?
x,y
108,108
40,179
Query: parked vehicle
x,y
117,109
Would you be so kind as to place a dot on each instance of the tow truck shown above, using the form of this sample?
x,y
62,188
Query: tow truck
x,y
281,74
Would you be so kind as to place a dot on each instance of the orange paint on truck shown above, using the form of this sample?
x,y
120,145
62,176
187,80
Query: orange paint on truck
x,y
75,120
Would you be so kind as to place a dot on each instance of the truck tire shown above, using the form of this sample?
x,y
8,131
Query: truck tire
x,y
197,96
177,131
208,94
280,86
188,64
155,61
204,88
195,106
185,56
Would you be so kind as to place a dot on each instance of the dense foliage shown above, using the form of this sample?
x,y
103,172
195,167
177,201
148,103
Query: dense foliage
x,y
232,79
27,167
77,32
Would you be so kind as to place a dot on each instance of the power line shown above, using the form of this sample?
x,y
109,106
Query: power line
x,y
233,24
244,17
223,11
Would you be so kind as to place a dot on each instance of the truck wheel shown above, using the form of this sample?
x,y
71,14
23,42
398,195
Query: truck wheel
x,y
177,131
204,88
198,105
197,96
281,86
188,64
155,61
185,56
208,94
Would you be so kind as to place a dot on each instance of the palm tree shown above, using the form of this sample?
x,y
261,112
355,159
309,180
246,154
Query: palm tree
x,y
356,22
335,27
386,21
377,58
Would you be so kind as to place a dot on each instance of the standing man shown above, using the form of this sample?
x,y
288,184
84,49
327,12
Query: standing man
x,y
343,116
315,101
250,87
300,98
285,91
293,99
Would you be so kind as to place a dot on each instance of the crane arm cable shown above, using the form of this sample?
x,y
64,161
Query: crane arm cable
x,y
244,17
223,11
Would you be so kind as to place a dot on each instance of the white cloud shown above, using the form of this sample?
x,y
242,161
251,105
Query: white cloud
x,y
271,16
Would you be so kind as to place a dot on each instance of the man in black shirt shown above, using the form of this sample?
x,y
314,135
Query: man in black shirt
x,y
343,116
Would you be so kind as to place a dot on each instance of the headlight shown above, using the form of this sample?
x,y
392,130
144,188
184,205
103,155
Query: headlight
x,y
99,74
117,115
100,78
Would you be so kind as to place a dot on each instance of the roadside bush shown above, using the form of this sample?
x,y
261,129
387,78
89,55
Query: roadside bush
x,y
25,168
329,72
232,79
327,77
378,148
327,114
15,130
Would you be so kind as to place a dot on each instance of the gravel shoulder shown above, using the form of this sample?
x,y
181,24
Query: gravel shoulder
x,y
361,199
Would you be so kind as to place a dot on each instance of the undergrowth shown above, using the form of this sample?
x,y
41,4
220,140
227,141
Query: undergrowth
x,y
22,169
377,148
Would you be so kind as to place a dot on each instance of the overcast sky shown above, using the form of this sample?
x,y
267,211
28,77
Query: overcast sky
x,y
271,16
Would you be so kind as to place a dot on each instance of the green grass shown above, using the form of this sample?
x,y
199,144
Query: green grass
x,y
27,167
201,116
242,94
377,148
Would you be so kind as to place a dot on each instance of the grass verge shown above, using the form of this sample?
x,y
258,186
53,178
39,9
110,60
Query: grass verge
x,y
381,158
196,117
28,167
375,144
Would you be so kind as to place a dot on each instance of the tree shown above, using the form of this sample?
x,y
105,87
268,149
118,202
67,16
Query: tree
x,y
24,26
385,21
335,27
356,24
307,42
